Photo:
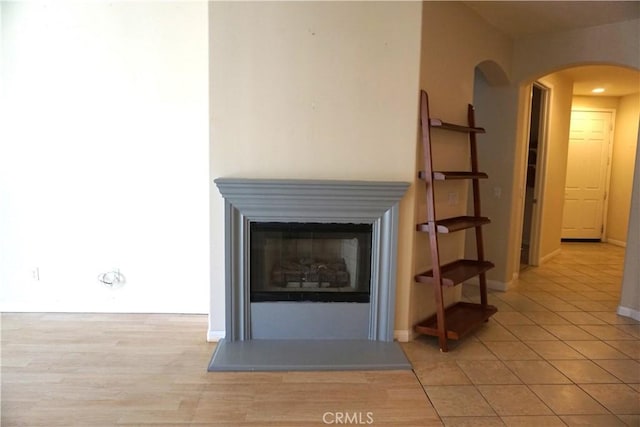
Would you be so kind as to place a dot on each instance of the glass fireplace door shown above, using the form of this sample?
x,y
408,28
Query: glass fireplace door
x,y
315,262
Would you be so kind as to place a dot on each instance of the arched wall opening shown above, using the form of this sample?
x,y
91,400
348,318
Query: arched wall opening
x,y
492,73
563,98
492,97
504,112
567,94
620,215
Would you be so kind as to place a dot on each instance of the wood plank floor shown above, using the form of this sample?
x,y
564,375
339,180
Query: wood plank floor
x,y
102,370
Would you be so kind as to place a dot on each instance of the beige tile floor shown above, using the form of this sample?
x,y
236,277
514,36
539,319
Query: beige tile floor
x,y
556,354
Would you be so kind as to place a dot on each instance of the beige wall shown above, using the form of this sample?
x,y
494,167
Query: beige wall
x,y
630,298
595,102
325,90
557,149
615,44
314,90
622,167
496,153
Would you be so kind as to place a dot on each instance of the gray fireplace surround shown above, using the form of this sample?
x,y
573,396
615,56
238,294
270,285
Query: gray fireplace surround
x,y
273,337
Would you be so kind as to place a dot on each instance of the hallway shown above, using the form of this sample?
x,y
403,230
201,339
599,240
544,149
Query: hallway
x,y
554,354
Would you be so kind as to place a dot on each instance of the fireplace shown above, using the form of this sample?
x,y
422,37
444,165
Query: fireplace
x,y
312,262
309,263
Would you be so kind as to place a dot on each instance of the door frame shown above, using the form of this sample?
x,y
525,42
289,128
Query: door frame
x,y
607,180
541,165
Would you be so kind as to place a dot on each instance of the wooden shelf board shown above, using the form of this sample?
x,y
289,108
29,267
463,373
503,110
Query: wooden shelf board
x,y
456,272
460,319
437,123
450,225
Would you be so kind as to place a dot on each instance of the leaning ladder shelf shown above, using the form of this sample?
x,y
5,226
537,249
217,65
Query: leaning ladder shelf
x,y
457,320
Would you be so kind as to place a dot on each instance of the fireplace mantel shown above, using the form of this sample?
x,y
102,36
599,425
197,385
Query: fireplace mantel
x,y
282,200
323,201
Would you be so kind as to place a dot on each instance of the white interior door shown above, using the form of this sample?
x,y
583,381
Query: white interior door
x,y
585,188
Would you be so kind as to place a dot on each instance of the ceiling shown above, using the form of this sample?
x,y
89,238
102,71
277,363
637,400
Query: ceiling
x,y
616,81
525,18
522,18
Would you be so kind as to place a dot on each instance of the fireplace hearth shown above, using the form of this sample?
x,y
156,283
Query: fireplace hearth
x,y
309,261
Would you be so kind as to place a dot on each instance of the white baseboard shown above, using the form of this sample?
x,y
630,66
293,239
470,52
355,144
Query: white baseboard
x,y
628,312
498,286
617,242
547,257
215,336
404,335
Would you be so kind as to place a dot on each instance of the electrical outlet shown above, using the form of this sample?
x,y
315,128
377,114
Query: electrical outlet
x,y
453,198
497,192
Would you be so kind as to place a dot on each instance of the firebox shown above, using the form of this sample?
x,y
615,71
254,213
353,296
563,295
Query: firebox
x,y
310,262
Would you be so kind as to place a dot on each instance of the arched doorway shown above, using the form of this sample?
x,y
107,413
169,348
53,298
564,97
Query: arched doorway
x,y
569,89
